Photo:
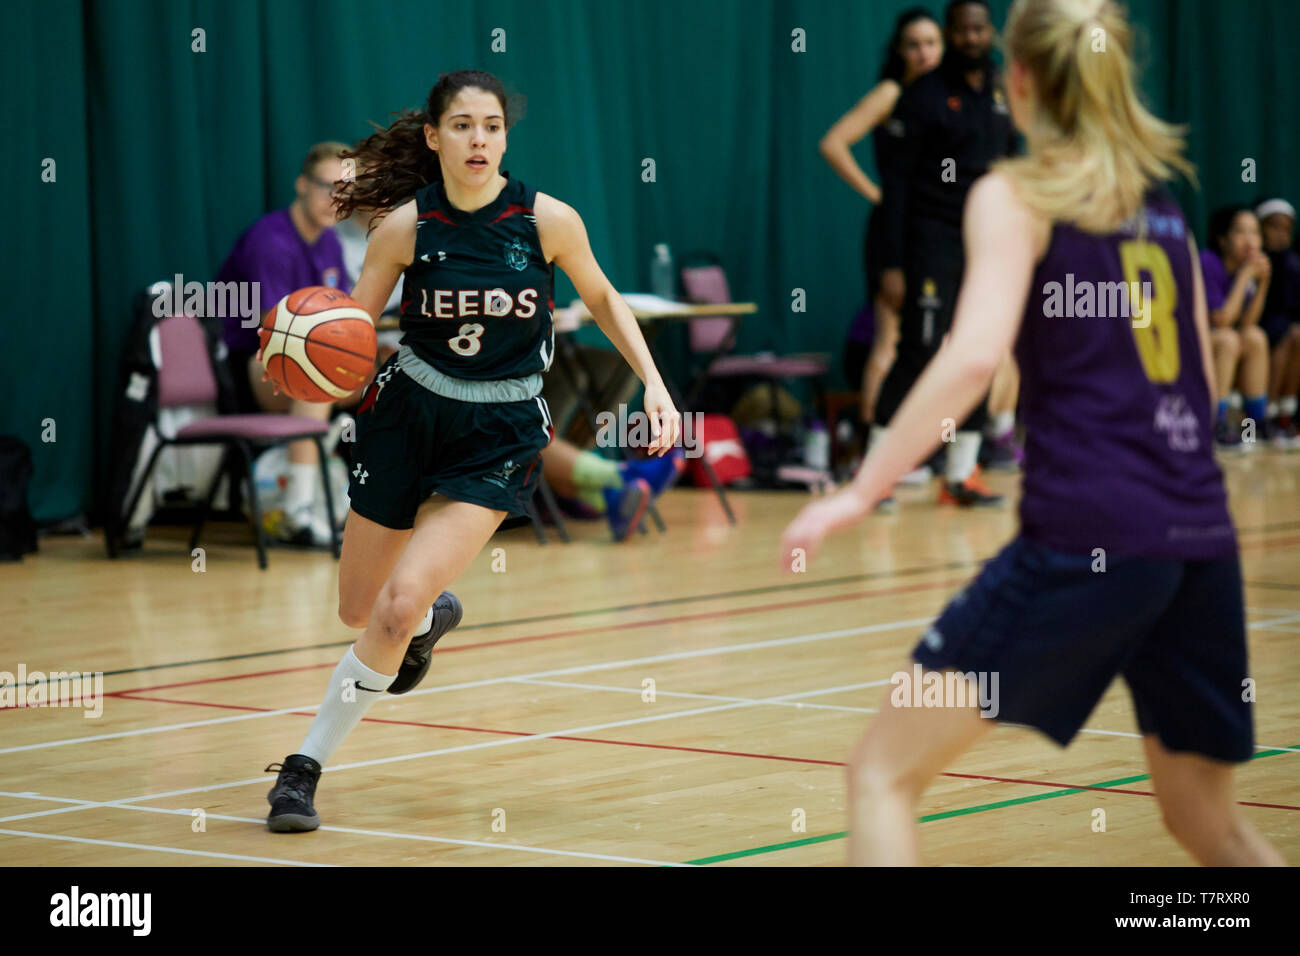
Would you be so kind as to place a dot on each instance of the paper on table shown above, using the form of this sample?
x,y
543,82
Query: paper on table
x,y
642,302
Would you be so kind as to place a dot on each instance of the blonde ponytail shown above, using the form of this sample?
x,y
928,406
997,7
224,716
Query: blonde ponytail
x,y
1094,149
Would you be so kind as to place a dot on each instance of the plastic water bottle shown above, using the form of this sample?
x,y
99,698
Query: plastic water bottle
x,y
817,446
662,280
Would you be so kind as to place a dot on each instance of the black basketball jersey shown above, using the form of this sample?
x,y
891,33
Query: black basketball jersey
x,y
477,298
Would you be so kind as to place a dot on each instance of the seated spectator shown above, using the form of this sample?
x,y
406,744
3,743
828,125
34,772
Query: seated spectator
x,y
1236,275
1280,319
587,483
286,250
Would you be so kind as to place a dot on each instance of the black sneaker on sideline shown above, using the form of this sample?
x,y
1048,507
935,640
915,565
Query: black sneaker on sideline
x,y
447,612
291,797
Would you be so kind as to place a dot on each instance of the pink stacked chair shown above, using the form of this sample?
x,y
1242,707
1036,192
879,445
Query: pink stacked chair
x,y
185,378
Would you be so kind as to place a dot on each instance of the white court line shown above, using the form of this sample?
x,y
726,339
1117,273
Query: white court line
x,y
159,849
154,730
374,833
1265,625
467,685
629,662
463,748
806,638
748,700
833,690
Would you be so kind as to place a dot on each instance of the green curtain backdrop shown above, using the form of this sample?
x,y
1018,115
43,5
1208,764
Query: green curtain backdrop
x,y
164,154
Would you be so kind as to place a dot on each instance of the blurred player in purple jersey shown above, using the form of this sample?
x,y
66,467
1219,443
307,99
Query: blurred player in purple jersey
x,y
1126,562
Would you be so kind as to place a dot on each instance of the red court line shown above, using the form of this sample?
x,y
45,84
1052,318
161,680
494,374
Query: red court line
x,y
879,592
658,622
1294,539
1073,786
683,749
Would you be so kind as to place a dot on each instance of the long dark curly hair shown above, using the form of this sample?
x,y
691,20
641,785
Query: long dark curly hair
x,y
393,163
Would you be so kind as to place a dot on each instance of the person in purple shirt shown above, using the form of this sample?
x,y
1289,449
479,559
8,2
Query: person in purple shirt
x,y
1281,318
1127,561
286,250
1236,277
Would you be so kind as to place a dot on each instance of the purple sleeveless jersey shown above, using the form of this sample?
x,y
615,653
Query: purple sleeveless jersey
x,y
1118,451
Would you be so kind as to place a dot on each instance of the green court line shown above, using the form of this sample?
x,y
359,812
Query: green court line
x,y
980,808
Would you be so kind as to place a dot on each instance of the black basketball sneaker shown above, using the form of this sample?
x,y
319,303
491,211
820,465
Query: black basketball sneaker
x,y
419,653
291,797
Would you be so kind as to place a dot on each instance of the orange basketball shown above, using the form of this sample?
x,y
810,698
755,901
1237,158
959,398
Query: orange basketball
x,y
318,344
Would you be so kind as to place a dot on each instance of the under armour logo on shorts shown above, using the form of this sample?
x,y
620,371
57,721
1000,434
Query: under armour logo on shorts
x,y
360,474
933,639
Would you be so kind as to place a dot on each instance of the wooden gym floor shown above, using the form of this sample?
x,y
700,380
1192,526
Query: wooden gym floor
x,y
534,717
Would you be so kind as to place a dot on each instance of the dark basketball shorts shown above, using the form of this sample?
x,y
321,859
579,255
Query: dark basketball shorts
x,y
1056,632
1275,328
872,254
412,443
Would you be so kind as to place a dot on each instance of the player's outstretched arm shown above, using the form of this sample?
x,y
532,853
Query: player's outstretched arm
x,y
564,237
1003,242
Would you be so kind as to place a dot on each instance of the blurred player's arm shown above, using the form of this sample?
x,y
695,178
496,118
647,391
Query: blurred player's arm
x,y
836,145
1003,241
1201,316
1228,311
391,250
1262,269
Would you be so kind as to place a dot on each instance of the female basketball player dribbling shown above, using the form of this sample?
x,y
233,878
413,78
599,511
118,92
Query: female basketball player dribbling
x,y
1119,461
457,412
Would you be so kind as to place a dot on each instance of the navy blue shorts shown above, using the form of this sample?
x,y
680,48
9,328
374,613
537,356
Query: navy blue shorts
x,y
1275,328
412,443
1056,633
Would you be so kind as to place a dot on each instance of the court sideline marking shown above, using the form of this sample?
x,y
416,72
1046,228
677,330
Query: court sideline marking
x,y
981,808
663,602
126,694
468,685
361,832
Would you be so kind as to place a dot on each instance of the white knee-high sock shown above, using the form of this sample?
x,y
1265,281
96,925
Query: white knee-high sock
x,y
963,455
353,688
